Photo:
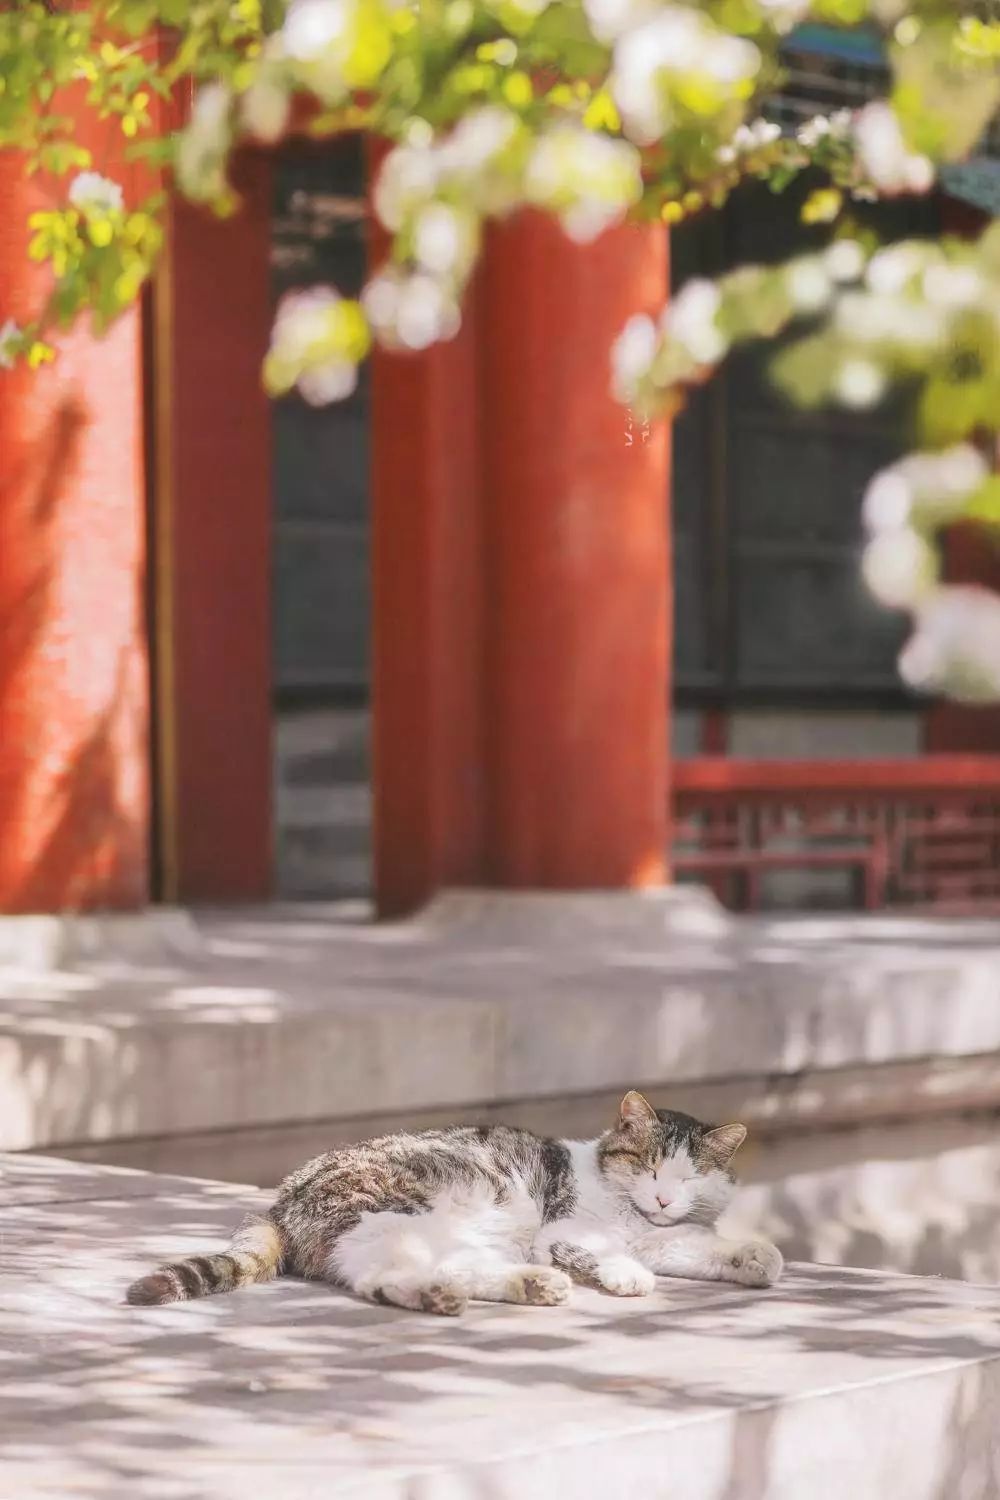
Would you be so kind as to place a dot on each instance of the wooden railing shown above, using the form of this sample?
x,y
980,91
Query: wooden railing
x,y
914,832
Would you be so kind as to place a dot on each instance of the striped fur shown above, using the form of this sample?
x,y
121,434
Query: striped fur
x,y
254,1254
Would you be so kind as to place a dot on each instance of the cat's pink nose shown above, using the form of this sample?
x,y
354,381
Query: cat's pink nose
x,y
663,1202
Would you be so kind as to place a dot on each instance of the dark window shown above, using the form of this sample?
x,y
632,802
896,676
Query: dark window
x,y
767,500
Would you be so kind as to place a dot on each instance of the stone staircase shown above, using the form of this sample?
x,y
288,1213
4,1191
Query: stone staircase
x,y
322,804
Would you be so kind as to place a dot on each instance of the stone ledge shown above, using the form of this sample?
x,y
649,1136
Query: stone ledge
x,y
804,1107
50,944
309,1014
834,1383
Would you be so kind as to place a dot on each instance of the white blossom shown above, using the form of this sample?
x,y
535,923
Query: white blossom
x,y
312,27
888,501
320,37
210,112
93,194
953,474
952,287
478,139
304,340
329,382
407,179
410,311
470,159
445,239
10,337
297,320
610,19
899,567
418,132
813,131
676,44
822,127
844,260
884,155
265,108
956,645
203,144
859,383
785,15
930,488
690,320
590,180
891,271
758,133
632,356
808,284
884,318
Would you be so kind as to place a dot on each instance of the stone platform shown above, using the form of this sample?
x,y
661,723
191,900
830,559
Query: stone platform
x,y
301,1019
834,1383
862,1052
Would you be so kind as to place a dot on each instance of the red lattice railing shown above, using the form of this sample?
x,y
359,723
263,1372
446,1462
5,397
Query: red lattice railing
x,y
910,833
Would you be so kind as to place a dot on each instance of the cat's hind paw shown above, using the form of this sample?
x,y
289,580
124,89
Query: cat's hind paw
x,y
540,1286
757,1263
443,1301
398,1291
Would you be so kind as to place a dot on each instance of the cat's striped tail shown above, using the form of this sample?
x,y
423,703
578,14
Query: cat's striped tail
x,y
254,1254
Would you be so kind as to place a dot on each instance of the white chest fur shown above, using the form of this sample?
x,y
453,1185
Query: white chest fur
x,y
601,1221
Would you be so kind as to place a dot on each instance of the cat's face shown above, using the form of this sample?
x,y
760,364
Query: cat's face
x,y
669,1165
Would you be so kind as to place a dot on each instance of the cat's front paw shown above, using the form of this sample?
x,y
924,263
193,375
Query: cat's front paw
x,y
624,1277
757,1263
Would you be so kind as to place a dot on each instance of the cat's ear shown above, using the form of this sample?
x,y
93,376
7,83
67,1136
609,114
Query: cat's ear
x,y
634,1110
724,1142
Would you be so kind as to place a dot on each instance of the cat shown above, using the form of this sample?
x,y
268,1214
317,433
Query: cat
x,y
431,1220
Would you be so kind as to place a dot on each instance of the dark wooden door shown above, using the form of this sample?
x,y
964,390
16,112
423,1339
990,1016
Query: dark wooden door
x,y
321,570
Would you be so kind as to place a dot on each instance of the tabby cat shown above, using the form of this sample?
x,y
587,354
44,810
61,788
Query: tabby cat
x,y
428,1221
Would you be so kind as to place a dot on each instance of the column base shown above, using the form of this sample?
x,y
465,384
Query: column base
x,y
576,918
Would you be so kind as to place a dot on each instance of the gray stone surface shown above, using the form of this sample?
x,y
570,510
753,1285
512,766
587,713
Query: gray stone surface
x,y
836,1383
311,1013
43,944
323,813
921,1196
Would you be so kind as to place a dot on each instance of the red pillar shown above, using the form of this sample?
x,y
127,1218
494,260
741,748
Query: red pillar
x,y
428,769
73,668
578,643
212,539
522,585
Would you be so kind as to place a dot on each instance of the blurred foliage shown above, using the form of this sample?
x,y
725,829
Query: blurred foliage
x,y
593,111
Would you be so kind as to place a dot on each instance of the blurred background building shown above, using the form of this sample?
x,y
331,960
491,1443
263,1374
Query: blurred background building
x,y
385,562
780,654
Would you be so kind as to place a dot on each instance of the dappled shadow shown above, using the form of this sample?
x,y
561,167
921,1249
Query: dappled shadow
x,y
73,834
304,1382
920,1196
95,842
